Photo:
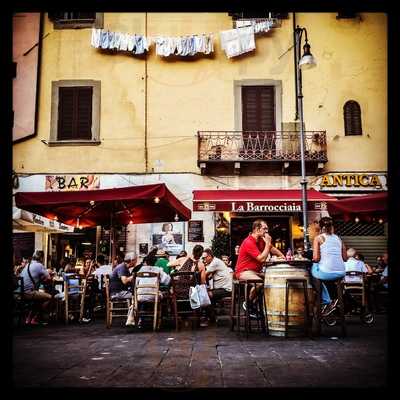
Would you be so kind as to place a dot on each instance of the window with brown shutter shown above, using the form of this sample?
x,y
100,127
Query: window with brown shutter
x,y
258,118
75,113
352,118
72,20
258,108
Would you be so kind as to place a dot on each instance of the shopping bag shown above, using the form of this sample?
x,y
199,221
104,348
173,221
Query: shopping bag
x,y
194,297
203,295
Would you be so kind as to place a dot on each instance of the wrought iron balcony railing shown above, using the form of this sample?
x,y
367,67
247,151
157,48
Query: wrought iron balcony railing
x,y
260,146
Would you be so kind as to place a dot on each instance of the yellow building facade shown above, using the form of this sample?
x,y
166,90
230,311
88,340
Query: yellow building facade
x,y
148,109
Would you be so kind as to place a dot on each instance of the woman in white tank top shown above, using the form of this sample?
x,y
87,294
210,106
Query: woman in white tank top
x,y
329,254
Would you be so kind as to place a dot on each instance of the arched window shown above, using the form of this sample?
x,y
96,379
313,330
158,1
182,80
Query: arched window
x,y
352,118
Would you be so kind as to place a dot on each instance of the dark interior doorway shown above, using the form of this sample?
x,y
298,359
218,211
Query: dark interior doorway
x,y
279,229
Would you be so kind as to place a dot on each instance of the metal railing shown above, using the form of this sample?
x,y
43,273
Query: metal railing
x,y
260,146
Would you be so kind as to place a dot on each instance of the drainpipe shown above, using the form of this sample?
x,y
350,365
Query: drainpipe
x,y
296,118
146,155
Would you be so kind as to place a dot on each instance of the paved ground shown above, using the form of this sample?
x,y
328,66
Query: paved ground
x,y
93,356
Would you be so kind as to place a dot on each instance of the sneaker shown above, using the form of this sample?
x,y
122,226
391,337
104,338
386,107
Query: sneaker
x,y
204,322
86,320
34,321
252,313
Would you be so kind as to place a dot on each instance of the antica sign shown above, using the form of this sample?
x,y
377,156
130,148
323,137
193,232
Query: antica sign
x,y
353,181
72,182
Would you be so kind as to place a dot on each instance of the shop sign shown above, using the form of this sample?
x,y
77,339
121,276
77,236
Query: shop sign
x,y
71,182
257,206
352,182
195,231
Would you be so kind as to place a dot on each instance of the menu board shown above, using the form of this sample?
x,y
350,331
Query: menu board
x,y
195,231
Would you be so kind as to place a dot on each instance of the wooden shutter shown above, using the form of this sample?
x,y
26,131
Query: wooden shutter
x,y
258,108
352,118
75,113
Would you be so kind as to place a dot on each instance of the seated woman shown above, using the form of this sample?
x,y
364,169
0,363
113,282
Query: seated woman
x,y
329,254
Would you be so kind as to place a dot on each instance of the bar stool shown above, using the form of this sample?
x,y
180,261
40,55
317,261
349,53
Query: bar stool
x,y
294,283
241,292
338,283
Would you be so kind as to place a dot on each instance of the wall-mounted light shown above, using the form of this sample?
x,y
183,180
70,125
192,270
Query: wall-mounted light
x,y
91,202
380,220
130,222
356,220
156,200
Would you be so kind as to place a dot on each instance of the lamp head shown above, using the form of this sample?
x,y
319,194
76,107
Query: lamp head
x,y
308,60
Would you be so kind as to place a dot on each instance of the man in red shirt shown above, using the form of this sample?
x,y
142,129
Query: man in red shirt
x,y
253,252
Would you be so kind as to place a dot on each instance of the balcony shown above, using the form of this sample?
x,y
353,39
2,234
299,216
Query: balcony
x,y
251,151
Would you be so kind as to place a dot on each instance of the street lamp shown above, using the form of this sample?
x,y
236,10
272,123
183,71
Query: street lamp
x,y
307,61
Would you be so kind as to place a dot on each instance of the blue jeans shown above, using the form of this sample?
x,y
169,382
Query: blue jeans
x,y
326,276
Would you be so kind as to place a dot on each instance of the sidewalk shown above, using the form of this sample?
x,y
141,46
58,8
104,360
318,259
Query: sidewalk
x,y
93,356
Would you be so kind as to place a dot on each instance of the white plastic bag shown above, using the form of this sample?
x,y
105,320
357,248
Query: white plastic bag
x,y
203,295
194,297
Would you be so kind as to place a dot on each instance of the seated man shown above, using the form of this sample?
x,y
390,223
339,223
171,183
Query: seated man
x,y
354,265
221,276
34,274
143,293
102,269
120,278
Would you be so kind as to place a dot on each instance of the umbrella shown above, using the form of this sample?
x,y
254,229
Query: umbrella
x,y
106,207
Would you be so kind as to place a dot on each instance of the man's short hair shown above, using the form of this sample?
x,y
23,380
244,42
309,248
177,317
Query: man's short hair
x,y
258,223
209,252
351,252
130,256
100,259
38,255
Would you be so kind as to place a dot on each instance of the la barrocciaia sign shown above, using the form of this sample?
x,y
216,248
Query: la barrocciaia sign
x,y
257,206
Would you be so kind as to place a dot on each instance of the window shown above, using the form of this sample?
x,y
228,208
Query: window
x,y
352,118
72,20
258,119
75,115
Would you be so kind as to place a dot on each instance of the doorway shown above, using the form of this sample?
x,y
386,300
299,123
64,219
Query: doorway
x,y
279,229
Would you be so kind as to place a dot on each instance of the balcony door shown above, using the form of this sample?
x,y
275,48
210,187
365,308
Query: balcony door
x,y
258,122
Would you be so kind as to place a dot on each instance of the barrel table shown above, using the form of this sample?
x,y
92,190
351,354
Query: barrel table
x,y
276,274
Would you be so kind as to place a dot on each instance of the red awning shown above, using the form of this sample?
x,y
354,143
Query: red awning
x,y
370,203
257,200
96,207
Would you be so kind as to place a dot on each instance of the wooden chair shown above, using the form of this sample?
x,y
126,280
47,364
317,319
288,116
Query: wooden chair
x,y
21,305
147,284
181,282
115,308
73,293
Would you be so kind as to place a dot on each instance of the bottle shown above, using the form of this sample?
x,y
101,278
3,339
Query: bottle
x,y
289,254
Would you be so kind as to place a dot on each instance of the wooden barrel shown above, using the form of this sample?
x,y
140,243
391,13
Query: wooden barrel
x,y
275,290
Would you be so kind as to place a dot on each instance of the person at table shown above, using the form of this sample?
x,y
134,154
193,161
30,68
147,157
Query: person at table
x,y
221,276
121,278
329,255
162,261
361,258
353,264
253,252
102,269
34,274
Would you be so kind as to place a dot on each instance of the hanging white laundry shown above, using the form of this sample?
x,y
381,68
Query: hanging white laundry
x,y
246,38
131,43
96,37
123,45
238,41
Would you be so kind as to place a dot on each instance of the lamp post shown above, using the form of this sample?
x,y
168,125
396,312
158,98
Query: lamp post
x,y
307,61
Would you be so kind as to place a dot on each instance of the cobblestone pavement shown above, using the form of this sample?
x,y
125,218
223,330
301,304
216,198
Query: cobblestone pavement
x,y
93,356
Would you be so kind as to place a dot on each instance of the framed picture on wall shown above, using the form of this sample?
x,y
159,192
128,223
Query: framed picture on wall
x,y
168,236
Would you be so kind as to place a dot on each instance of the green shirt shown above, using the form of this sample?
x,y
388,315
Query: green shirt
x,y
162,263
